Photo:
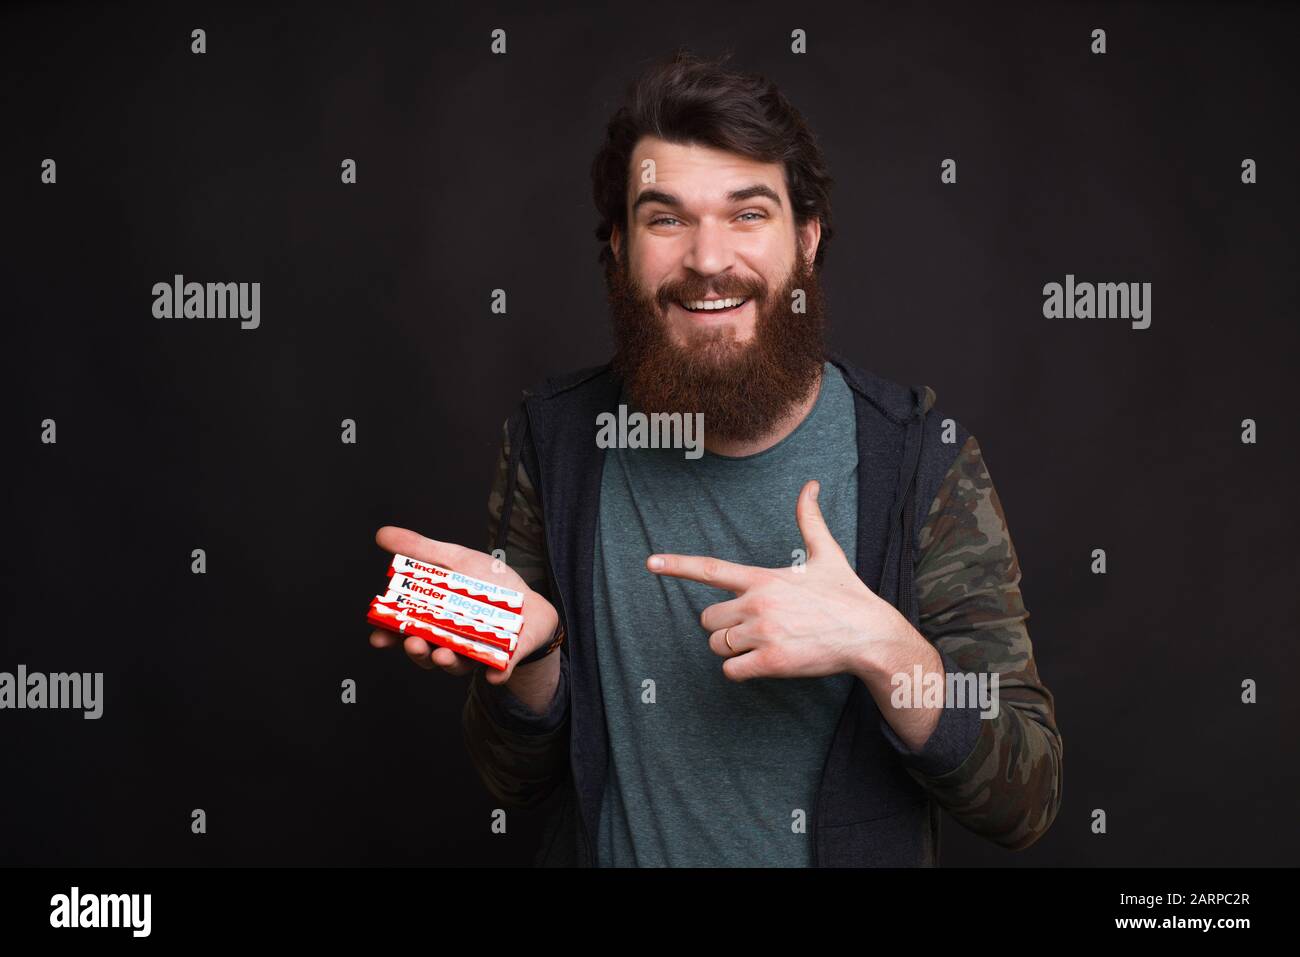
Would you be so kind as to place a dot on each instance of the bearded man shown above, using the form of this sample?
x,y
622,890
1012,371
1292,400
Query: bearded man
x,y
777,653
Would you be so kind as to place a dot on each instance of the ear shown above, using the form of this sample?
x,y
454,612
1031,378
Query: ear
x,y
810,235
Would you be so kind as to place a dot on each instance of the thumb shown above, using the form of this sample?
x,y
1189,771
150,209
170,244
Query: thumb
x,y
812,526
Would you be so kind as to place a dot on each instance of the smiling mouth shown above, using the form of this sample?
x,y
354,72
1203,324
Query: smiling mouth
x,y
713,307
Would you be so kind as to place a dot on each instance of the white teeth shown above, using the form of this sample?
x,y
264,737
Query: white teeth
x,y
707,304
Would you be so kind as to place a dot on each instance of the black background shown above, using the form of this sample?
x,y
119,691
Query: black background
x,y
222,691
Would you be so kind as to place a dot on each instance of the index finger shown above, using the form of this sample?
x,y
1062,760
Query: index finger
x,y
706,570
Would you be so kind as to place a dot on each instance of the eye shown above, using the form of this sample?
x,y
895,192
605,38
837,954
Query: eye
x,y
672,219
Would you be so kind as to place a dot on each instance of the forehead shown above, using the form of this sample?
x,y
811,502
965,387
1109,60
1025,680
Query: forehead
x,y
698,174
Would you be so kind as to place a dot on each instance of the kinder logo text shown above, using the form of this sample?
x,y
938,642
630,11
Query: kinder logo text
x,y
102,910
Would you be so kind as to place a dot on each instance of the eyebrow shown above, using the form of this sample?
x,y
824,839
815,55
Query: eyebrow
x,y
735,196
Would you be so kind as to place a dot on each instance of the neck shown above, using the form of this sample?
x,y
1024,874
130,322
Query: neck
x,y
783,427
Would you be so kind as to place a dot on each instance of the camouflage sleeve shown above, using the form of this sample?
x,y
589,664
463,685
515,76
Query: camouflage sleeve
x,y
520,755
525,545
999,777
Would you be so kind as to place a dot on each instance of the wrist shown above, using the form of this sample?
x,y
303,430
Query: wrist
x,y
551,645
890,644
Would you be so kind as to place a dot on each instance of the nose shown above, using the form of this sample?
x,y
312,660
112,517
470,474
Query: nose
x,y
710,251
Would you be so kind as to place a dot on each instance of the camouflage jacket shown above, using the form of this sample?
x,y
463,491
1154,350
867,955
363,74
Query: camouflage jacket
x,y
967,575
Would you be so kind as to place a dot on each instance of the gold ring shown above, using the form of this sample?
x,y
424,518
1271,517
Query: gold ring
x,y
726,636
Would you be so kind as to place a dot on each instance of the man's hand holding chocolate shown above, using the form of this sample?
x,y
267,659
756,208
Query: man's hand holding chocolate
x,y
540,620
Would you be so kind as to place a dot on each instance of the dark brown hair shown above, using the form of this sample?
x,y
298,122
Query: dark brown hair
x,y
688,100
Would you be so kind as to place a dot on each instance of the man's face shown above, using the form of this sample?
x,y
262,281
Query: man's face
x,y
715,226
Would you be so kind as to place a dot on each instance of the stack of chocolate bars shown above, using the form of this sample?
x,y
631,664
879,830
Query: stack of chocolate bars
x,y
473,618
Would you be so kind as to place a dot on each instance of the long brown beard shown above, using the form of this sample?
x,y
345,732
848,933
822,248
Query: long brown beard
x,y
743,389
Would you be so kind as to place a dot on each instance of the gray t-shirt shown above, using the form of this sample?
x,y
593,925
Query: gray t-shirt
x,y
713,772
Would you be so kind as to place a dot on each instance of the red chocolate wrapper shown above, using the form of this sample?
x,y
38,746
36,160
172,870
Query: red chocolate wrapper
x,y
393,619
435,614
432,594
455,581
